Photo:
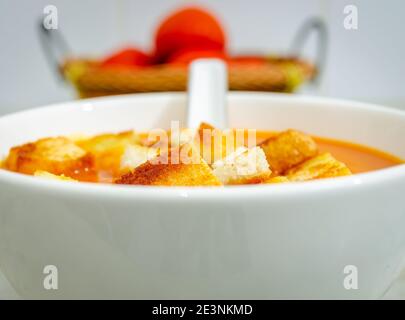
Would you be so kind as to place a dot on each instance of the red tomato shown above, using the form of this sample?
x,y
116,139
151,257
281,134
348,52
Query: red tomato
x,y
188,28
186,56
129,57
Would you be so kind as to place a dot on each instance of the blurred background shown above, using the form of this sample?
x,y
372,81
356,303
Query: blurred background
x,y
364,64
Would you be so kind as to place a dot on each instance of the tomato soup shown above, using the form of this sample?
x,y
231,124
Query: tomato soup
x,y
358,158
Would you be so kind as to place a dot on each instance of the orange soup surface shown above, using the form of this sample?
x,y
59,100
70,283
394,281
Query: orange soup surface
x,y
291,155
357,157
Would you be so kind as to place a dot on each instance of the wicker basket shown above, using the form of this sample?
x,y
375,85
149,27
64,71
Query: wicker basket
x,y
279,74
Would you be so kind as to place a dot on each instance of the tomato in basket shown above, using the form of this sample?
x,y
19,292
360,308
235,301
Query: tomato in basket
x,y
128,57
190,27
186,56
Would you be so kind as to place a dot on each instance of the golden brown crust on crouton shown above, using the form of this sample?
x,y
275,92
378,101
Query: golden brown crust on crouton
x,y
262,178
51,176
212,143
277,179
256,179
167,172
55,155
319,167
216,144
288,149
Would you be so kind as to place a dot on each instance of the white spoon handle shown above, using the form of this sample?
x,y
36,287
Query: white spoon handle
x,y
207,88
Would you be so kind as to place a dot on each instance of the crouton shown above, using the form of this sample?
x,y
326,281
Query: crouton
x,y
241,165
288,149
181,166
108,150
212,144
319,167
134,156
54,155
261,178
253,179
162,139
216,144
277,179
183,136
48,175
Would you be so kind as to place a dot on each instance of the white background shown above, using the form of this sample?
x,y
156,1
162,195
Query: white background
x,y
366,64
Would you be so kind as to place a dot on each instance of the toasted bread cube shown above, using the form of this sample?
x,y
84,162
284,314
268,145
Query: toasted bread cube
x,y
181,137
216,144
254,179
288,149
241,165
55,155
162,139
212,143
319,167
135,155
262,178
109,142
108,150
181,166
51,176
277,179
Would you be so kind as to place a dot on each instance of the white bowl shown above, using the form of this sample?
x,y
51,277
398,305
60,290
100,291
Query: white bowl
x,y
256,242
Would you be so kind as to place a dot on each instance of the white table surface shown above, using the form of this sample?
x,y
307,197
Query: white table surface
x,y
397,291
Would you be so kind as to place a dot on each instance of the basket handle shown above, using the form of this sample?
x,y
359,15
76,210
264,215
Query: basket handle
x,y
54,47
317,25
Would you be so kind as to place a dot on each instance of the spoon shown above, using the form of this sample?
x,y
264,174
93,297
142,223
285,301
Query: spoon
x,y
207,88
